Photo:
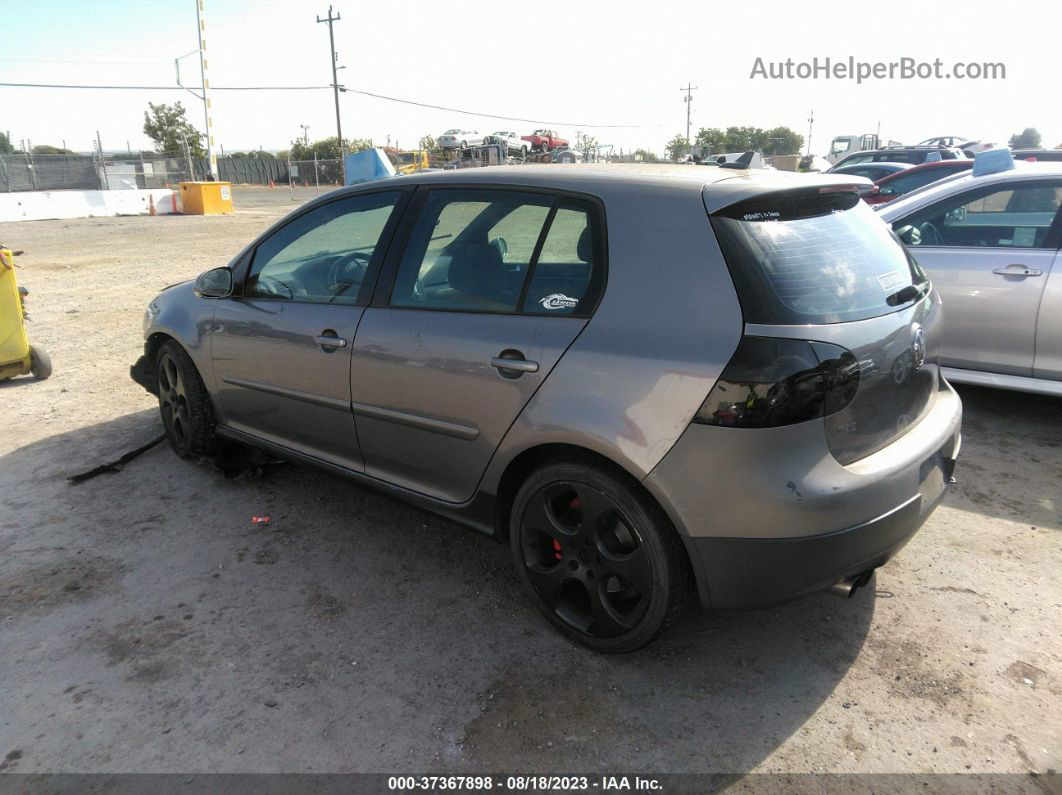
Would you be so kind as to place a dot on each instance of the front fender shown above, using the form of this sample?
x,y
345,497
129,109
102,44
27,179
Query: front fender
x,y
177,313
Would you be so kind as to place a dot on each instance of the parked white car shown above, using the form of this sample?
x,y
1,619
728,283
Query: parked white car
x,y
461,139
513,145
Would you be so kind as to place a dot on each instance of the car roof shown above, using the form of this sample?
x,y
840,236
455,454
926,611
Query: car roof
x,y
875,164
721,186
957,183
958,164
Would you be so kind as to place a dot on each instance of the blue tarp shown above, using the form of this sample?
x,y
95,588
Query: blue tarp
x,y
366,165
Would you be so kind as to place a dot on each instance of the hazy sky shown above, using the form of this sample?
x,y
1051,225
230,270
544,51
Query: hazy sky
x,y
583,64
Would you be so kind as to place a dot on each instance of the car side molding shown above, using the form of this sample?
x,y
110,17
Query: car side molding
x,y
1020,383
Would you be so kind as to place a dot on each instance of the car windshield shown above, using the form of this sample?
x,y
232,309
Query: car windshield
x,y
451,132
840,145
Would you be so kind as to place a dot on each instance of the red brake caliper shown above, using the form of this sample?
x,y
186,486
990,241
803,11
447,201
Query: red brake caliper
x,y
557,549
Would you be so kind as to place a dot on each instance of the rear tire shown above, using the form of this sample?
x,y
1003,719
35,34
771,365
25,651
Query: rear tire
x,y
40,362
187,414
600,558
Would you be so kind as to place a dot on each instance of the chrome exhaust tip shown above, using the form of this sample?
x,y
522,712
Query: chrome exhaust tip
x,y
847,587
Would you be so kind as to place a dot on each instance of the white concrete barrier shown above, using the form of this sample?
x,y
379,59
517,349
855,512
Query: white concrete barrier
x,y
40,205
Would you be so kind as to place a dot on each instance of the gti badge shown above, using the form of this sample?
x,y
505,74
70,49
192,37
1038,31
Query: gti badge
x,y
918,347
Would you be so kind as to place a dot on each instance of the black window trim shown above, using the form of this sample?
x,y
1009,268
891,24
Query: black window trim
x,y
388,273
1052,241
387,238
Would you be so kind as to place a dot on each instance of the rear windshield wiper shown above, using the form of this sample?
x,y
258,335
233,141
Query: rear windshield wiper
x,y
911,292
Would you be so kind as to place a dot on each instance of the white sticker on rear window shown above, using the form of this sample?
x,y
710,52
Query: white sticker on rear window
x,y
558,301
892,280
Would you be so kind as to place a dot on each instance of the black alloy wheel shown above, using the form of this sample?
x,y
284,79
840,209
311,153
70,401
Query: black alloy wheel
x,y
601,559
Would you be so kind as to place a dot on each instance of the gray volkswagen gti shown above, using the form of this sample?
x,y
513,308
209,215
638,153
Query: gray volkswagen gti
x,y
657,386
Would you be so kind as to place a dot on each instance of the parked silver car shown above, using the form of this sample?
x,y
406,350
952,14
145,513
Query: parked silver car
x,y
461,139
655,387
991,246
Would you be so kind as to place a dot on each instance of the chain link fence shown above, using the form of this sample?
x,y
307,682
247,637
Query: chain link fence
x,y
31,172
324,174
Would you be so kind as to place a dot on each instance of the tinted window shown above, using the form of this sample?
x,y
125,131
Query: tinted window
x,y
560,281
1013,217
324,254
869,171
812,258
908,182
471,250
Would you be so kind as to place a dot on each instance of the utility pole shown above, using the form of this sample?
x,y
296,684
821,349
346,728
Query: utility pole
x,y
305,136
688,99
335,85
212,159
811,125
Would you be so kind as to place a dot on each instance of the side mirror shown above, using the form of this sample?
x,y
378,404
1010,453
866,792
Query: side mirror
x,y
214,283
909,235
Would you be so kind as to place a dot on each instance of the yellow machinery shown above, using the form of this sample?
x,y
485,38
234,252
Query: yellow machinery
x,y
205,198
17,355
412,161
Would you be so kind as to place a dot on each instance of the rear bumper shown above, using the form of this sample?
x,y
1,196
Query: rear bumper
x,y
770,515
760,572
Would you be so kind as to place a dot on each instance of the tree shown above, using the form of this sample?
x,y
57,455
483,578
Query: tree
x,y
431,146
776,141
327,148
168,127
783,141
5,144
710,141
677,148
645,156
1028,138
46,149
588,144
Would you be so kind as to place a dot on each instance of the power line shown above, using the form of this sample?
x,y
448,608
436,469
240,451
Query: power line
x,y
347,90
163,88
490,115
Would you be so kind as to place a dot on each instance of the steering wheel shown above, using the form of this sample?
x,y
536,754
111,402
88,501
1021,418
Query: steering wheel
x,y
347,271
930,235
267,285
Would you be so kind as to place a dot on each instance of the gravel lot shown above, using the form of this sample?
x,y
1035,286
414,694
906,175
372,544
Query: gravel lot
x,y
147,625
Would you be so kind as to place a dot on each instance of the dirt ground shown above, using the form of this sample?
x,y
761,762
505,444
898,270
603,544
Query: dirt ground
x,y
146,624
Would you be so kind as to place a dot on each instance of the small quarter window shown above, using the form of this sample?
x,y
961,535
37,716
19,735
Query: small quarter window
x,y
561,278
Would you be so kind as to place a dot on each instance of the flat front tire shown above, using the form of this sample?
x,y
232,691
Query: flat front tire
x,y
187,414
600,558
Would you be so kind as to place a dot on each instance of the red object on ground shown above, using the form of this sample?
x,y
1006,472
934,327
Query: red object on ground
x,y
259,520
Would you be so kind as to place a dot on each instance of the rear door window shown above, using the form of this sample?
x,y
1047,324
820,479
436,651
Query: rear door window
x,y
800,257
503,252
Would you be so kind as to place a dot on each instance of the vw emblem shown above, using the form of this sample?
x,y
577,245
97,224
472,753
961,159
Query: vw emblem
x,y
918,347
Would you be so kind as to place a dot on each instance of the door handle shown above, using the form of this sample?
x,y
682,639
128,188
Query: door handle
x,y
330,341
1017,269
514,365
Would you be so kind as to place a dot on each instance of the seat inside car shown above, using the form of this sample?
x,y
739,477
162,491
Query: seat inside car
x,y
477,275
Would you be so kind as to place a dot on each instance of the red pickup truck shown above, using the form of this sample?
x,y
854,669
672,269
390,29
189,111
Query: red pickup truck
x,y
545,140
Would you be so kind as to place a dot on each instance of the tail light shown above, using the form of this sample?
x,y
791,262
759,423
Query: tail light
x,y
772,381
